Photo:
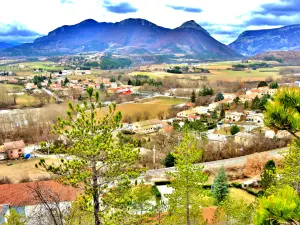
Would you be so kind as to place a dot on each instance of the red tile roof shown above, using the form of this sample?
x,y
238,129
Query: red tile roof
x,y
24,194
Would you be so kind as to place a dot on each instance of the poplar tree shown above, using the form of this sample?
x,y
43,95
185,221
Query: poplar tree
x,y
100,162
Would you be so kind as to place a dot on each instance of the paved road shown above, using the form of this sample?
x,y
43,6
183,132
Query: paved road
x,y
160,173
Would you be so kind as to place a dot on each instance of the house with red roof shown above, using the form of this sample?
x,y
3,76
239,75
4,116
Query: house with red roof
x,y
34,199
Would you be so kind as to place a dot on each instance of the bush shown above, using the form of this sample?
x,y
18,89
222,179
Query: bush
x,y
234,129
237,185
169,160
156,192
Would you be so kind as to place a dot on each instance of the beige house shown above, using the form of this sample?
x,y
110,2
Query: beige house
x,y
147,127
255,118
186,113
233,116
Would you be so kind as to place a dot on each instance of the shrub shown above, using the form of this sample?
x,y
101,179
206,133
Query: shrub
x,y
234,129
169,160
236,185
156,192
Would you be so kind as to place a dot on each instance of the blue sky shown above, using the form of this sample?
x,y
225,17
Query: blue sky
x,y
24,20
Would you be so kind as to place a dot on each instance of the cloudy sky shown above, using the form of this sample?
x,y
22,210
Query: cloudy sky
x,y
24,20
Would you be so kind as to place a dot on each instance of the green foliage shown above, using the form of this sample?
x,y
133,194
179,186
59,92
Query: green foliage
x,y
219,97
175,69
141,195
246,105
222,114
99,157
156,192
262,84
283,113
140,80
66,81
108,62
267,176
234,212
280,208
273,58
193,96
14,218
196,125
169,160
220,187
234,129
263,102
187,182
93,64
236,100
255,103
289,173
215,115
205,91
38,79
239,66
129,82
273,85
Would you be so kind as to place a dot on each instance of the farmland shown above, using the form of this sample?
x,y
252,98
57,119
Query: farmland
x,y
154,106
218,71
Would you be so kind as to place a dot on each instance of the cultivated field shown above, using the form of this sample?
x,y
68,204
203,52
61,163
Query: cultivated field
x,y
153,107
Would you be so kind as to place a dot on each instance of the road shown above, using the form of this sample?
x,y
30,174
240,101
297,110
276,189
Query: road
x,y
58,99
160,173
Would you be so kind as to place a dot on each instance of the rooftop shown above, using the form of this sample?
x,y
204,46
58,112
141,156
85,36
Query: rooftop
x,y
14,145
24,194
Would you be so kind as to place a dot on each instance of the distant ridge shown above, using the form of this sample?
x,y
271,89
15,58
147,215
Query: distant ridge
x,y
253,42
4,45
137,36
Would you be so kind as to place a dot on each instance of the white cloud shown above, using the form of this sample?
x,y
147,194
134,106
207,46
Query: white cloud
x,y
43,16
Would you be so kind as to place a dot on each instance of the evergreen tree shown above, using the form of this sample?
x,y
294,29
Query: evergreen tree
x,y
66,81
262,84
255,103
129,82
282,207
222,114
193,96
273,85
267,176
169,160
187,182
246,105
215,115
220,187
219,97
102,87
234,129
236,100
94,139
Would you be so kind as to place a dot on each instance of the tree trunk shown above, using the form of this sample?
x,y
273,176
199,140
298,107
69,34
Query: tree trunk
x,y
188,220
96,196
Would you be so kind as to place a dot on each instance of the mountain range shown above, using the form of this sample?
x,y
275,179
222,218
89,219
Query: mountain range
x,y
258,41
4,45
130,36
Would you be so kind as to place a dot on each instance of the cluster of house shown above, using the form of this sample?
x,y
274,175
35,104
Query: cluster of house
x,y
194,113
12,150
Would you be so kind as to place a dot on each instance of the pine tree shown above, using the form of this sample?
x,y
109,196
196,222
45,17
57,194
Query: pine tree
x,y
215,115
267,176
219,97
94,139
234,129
222,114
187,182
193,96
169,160
220,187
129,82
